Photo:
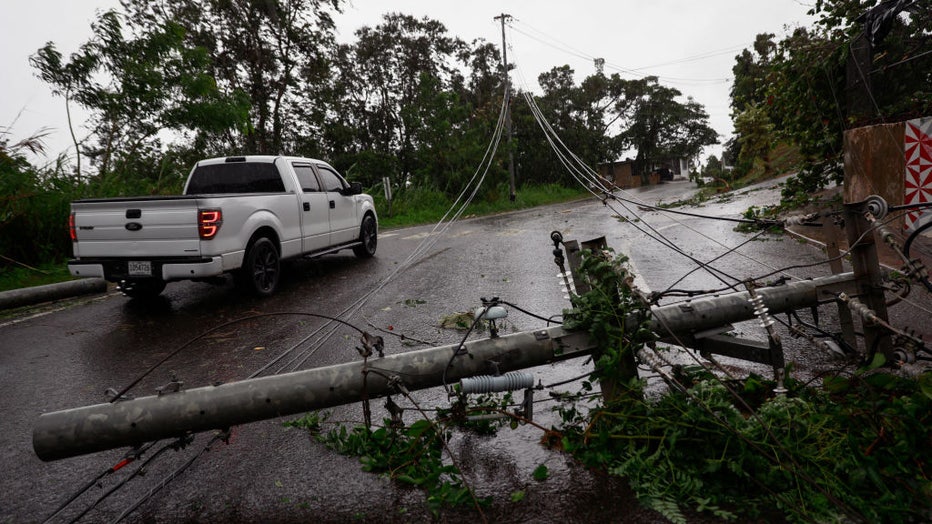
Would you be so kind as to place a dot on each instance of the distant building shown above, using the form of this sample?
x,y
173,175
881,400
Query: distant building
x,y
621,173
671,167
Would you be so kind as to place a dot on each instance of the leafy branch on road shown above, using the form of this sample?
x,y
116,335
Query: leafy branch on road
x,y
856,448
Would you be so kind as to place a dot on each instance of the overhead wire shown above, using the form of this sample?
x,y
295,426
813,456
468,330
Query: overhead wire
x,y
220,437
837,337
139,471
841,256
121,393
718,257
577,174
694,58
586,173
127,459
634,72
455,211
689,214
528,313
840,504
460,349
439,229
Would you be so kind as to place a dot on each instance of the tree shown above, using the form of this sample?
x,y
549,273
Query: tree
x,y
407,107
137,88
275,51
713,167
563,106
754,133
801,84
660,127
604,116
751,70
585,117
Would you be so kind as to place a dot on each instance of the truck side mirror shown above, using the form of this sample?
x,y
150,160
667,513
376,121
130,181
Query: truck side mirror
x,y
355,188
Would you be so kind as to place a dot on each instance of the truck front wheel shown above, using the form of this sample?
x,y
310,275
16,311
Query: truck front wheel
x,y
261,268
368,238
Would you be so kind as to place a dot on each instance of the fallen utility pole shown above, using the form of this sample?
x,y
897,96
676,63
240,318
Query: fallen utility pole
x,y
78,431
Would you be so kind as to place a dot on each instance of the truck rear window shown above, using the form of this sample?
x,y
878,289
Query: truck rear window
x,y
257,177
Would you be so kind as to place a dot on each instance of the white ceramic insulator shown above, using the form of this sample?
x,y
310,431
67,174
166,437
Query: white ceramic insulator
x,y
491,384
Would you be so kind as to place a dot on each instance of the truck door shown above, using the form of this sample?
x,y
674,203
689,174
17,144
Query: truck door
x,y
315,209
343,224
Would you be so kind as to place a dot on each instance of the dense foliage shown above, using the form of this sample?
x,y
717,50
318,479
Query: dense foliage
x,y
411,455
854,447
803,90
168,83
33,205
856,451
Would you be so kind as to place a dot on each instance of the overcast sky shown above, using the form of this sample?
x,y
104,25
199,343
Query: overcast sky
x,y
690,45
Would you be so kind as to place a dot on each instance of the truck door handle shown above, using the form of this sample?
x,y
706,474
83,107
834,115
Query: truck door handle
x,y
307,206
333,205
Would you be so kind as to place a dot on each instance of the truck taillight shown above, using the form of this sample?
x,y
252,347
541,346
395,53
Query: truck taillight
x,y
71,231
208,223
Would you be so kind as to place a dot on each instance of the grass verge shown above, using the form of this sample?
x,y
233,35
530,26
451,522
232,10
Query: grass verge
x,y
426,206
15,277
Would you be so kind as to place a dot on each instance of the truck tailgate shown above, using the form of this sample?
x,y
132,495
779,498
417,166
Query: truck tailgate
x,y
157,227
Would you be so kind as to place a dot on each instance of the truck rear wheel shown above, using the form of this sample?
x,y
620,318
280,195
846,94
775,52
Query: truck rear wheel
x,y
142,288
261,268
368,236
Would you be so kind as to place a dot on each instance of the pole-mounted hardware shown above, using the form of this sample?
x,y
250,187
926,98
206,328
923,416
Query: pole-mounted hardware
x,y
100,427
511,381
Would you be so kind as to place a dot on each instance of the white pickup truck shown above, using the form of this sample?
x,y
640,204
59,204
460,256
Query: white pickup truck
x,y
239,215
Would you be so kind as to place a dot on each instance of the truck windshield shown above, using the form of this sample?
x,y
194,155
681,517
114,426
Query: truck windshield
x,y
237,177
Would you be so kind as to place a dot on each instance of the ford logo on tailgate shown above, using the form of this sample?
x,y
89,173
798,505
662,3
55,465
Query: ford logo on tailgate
x,y
133,226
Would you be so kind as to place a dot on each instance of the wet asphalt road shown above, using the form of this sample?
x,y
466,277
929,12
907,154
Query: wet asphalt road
x,y
68,356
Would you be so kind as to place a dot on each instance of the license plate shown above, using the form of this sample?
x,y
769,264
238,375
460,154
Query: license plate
x,y
139,268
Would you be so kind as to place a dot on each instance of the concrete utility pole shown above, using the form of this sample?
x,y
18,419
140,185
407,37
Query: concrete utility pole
x,y
511,156
90,429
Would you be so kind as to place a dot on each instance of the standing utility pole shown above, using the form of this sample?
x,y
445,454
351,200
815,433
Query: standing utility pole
x,y
511,156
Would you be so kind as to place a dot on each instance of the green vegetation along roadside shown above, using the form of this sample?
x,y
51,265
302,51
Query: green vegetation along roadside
x,y
426,206
414,208
849,446
17,277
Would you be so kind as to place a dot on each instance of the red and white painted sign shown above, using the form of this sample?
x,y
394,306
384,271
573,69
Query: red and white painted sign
x,y
917,146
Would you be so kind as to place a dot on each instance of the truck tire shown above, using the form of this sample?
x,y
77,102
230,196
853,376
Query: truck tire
x,y
142,288
261,268
368,236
